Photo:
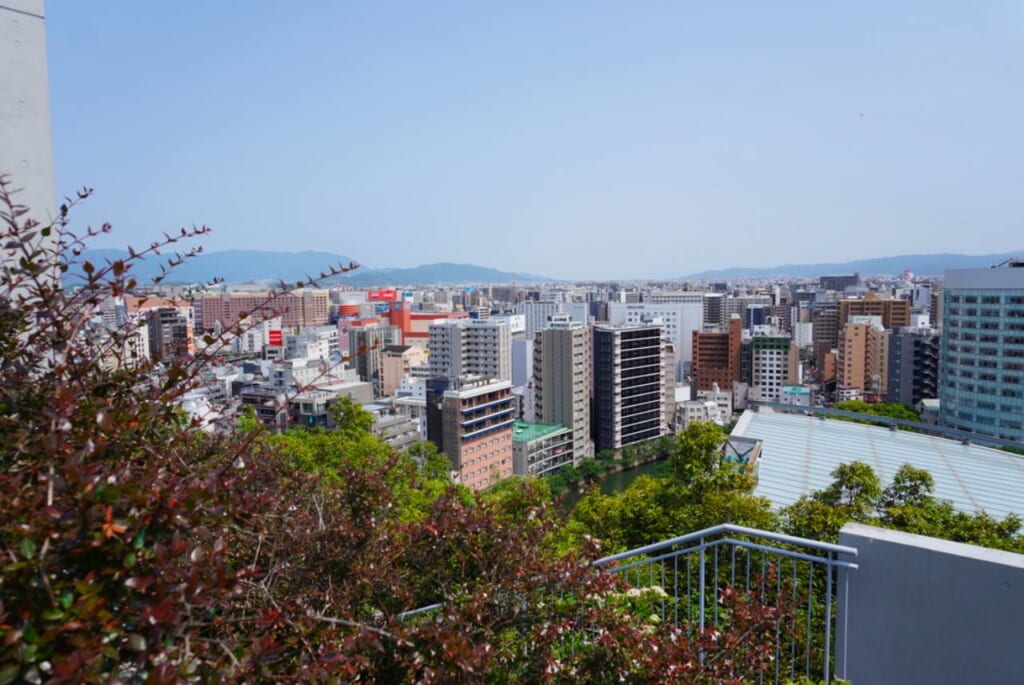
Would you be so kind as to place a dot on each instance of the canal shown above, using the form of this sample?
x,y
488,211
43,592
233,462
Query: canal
x,y
614,483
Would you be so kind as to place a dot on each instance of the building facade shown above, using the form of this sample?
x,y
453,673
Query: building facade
x,y
471,347
297,309
982,361
561,380
539,448
629,380
774,362
862,362
718,356
470,420
913,366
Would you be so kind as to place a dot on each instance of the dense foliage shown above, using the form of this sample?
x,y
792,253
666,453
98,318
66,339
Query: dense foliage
x,y
136,547
892,410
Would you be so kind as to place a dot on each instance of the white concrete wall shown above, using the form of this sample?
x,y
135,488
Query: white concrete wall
x,y
26,148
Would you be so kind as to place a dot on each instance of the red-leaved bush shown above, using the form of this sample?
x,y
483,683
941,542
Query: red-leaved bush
x,y
136,548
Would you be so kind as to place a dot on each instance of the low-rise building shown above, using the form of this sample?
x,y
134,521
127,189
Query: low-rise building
x,y
540,448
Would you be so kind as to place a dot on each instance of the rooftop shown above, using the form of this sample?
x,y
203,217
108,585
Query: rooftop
x,y
527,432
800,452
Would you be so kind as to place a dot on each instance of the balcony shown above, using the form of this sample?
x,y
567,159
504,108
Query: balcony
x,y
880,607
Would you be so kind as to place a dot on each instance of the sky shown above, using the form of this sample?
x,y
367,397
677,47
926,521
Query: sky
x,y
567,139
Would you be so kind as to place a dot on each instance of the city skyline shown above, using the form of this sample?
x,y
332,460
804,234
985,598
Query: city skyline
x,y
575,141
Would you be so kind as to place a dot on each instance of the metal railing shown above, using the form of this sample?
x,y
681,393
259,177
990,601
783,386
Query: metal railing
x,y
804,578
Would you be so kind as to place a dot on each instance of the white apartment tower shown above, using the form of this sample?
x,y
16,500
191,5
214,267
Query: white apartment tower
x,y
461,347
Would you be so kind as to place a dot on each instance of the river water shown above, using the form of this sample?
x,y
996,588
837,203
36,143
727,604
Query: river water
x,y
614,483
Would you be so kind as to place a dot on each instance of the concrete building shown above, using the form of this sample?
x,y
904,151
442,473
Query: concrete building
x,y
540,448
522,362
913,366
863,358
738,305
312,343
628,385
696,410
297,309
679,317
803,334
775,362
470,420
796,395
415,325
397,362
561,380
537,314
893,313
171,332
26,147
825,329
839,283
722,399
717,355
982,362
367,341
713,309
471,347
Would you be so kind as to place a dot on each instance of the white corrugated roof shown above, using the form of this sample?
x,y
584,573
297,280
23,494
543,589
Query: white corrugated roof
x,y
800,452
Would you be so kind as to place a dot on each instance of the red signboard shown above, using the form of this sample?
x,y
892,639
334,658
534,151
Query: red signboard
x,y
274,338
381,295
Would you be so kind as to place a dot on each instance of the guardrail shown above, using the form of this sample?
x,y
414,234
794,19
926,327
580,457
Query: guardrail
x,y
806,575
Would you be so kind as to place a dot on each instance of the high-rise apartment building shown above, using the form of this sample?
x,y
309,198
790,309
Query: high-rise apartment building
x,y
367,341
470,420
629,378
471,347
893,313
679,317
717,356
982,363
561,380
171,332
774,362
863,359
824,329
713,309
913,366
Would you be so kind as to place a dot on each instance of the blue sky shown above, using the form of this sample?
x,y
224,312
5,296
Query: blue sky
x,y
591,139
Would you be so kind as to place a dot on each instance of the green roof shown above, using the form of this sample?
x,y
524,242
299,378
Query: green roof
x,y
523,431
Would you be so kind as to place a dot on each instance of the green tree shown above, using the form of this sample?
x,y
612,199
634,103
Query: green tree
x,y
697,451
854,487
910,487
590,469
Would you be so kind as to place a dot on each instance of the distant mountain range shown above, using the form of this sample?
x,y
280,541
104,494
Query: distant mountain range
x,y
242,266
923,264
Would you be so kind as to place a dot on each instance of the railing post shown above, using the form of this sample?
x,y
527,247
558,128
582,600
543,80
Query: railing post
x,y
701,587
828,614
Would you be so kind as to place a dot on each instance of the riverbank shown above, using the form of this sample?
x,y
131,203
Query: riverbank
x,y
610,482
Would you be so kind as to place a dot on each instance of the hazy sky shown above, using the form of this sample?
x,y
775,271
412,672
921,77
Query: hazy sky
x,y
590,139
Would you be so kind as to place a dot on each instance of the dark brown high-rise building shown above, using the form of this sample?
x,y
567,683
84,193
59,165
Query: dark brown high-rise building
x,y
717,356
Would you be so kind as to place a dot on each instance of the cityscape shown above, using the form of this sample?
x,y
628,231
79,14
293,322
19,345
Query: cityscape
x,y
325,471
